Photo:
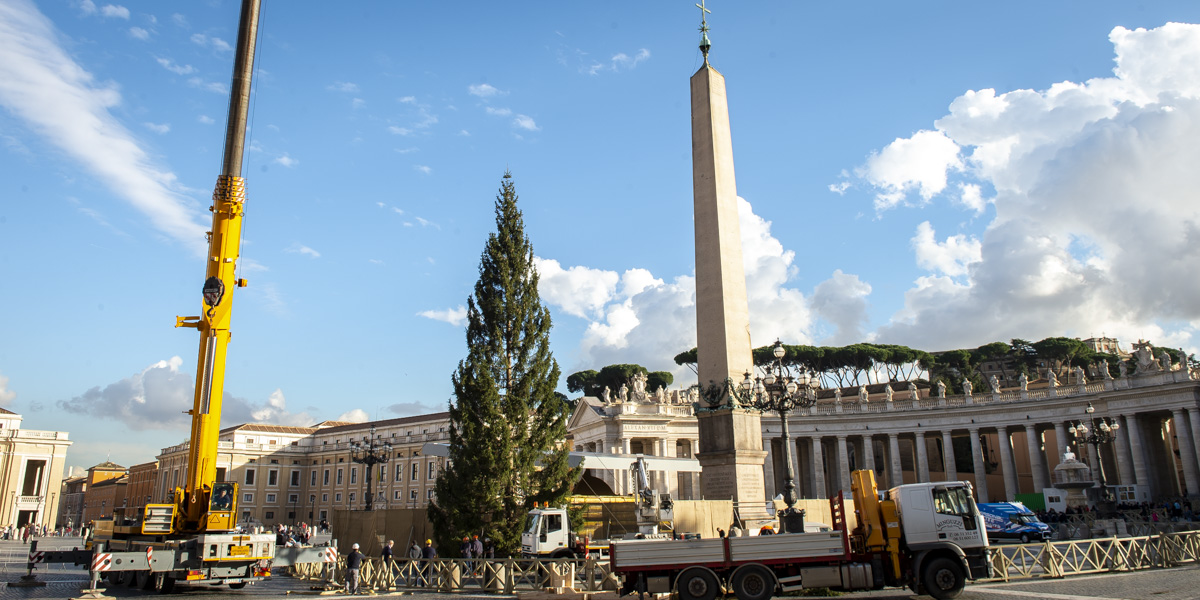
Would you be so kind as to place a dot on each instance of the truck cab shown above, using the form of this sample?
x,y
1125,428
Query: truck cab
x,y
547,533
941,523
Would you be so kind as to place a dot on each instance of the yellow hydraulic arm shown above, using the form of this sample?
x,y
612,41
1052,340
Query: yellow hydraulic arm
x,y
878,523
196,508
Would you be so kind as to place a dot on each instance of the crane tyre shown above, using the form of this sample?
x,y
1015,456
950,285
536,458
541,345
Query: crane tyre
x,y
753,582
943,578
144,580
697,583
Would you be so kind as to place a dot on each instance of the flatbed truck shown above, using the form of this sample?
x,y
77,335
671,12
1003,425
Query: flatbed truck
x,y
928,537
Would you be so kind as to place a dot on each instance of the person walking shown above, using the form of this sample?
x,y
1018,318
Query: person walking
x,y
354,562
414,562
489,547
428,553
388,574
477,552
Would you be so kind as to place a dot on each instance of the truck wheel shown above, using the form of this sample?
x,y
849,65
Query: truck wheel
x,y
237,586
697,583
1024,538
144,580
753,582
943,578
166,585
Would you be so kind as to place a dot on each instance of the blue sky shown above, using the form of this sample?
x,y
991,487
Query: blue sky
x,y
933,175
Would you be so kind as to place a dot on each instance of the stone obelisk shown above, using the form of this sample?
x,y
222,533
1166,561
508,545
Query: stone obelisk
x,y
731,453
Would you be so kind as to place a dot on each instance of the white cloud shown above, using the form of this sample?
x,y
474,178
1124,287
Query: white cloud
x,y
453,316
177,69
407,100
215,87
158,396
358,103
579,291
841,301
139,33
207,120
286,161
298,248
343,86
840,187
87,7
55,97
951,257
426,169
114,11
6,395
919,162
624,61
179,20
159,128
500,112
484,90
1095,215
399,130
357,415
215,43
525,122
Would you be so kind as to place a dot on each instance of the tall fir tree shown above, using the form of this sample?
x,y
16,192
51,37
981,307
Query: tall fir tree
x,y
507,425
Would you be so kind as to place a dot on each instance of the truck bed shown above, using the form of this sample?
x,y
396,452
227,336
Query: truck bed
x,y
652,555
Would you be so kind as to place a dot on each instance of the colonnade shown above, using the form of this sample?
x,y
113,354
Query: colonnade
x,y
1156,451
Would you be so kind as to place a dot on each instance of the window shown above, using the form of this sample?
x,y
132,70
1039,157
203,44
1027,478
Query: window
x,y
412,495
337,497
351,498
339,477
313,480
293,498
247,498
249,476
270,498
429,494
382,472
295,481
399,472
416,469
432,470
249,440
325,478
396,495
273,477
312,498
353,475
324,497
245,516
552,523
270,515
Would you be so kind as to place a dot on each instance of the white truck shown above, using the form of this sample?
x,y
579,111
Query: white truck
x,y
548,530
928,537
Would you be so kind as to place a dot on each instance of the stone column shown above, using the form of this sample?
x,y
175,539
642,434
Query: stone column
x,y
1138,451
1124,458
818,456
843,476
1037,463
1009,466
1194,419
922,458
1184,438
981,491
868,453
1060,444
948,455
897,476
626,446
772,487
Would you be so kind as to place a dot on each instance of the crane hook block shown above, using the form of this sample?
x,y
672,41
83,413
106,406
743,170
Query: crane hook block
x,y
242,283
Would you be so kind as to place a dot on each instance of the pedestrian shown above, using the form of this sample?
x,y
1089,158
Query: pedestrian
x,y
414,556
465,550
428,553
354,562
477,552
489,547
386,555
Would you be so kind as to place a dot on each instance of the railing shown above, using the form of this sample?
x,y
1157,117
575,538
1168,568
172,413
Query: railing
x,y
1082,557
453,574
32,434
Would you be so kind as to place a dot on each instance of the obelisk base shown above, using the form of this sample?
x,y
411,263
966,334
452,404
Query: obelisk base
x,y
731,461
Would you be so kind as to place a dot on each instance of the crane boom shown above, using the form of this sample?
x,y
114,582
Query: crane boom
x,y
193,513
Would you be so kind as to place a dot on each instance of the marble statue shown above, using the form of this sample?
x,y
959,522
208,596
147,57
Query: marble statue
x,y
1183,361
941,389
693,394
862,394
1165,359
1146,361
1080,377
837,395
661,395
913,394
606,395
623,393
994,382
967,387
1023,380
1123,369
887,390
1052,378
1103,368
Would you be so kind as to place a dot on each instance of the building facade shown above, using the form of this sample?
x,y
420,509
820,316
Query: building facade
x,y
300,474
31,472
104,491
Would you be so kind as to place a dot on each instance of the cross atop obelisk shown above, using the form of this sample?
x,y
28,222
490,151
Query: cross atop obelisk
x,y
731,453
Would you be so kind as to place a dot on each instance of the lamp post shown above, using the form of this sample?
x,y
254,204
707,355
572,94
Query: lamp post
x,y
369,453
781,392
1102,431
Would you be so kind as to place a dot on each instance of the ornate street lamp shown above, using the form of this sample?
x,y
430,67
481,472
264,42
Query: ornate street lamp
x,y
368,453
1102,432
781,392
